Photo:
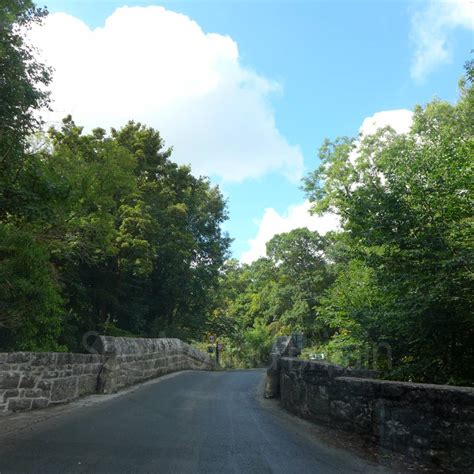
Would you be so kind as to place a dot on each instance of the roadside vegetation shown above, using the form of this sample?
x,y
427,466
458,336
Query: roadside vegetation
x,y
393,290
101,231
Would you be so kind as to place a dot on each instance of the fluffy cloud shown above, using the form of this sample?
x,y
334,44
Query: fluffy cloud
x,y
400,120
297,216
159,67
430,31
273,223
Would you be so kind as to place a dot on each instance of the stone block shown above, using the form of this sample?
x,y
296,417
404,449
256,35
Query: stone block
x,y
45,385
341,410
18,357
9,380
78,369
31,393
51,374
64,358
462,435
87,384
64,389
109,378
27,381
47,359
19,404
394,435
10,394
393,391
39,403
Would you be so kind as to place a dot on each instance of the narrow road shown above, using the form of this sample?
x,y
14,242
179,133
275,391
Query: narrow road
x,y
191,422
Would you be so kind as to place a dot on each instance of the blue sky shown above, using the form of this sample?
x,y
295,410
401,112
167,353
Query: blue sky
x,y
305,70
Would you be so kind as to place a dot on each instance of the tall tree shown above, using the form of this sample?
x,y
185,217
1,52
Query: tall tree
x,y
303,277
23,80
140,242
405,202
30,301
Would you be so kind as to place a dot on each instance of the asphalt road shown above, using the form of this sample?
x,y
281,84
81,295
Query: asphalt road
x,y
192,422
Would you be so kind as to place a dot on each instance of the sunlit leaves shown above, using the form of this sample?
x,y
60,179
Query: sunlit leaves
x,y
406,206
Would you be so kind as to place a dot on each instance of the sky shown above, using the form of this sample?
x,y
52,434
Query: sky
x,y
246,91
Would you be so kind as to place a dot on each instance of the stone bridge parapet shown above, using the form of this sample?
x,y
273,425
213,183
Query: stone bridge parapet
x,y
32,380
134,360
432,423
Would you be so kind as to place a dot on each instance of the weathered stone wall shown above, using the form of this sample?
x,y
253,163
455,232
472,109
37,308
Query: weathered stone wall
x,y
430,422
131,361
282,347
30,380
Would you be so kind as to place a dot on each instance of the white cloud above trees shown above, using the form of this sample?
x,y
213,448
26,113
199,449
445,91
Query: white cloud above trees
x,y
159,67
295,217
298,215
400,120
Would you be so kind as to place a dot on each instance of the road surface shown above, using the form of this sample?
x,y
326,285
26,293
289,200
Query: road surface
x,y
191,422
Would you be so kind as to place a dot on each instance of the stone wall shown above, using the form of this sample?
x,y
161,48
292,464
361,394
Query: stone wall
x,y
131,361
430,422
282,347
30,380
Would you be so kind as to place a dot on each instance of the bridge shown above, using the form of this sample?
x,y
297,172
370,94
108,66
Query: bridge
x,y
188,422
158,405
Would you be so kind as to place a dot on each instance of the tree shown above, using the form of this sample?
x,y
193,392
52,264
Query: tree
x,y
303,277
406,209
22,93
144,243
31,307
190,246
30,302
272,296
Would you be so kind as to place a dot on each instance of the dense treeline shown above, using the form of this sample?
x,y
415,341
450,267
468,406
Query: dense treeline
x,y
102,231
393,289
98,231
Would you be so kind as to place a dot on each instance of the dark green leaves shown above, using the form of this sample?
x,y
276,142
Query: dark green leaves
x,y
406,205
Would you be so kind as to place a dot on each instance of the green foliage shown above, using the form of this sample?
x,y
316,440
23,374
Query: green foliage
x,y
97,231
302,276
405,202
257,344
271,297
145,244
30,305
22,81
134,239
393,290
103,231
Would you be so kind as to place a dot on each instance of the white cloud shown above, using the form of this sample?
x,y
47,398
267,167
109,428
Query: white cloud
x,y
430,31
295,217
159,67
400,120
